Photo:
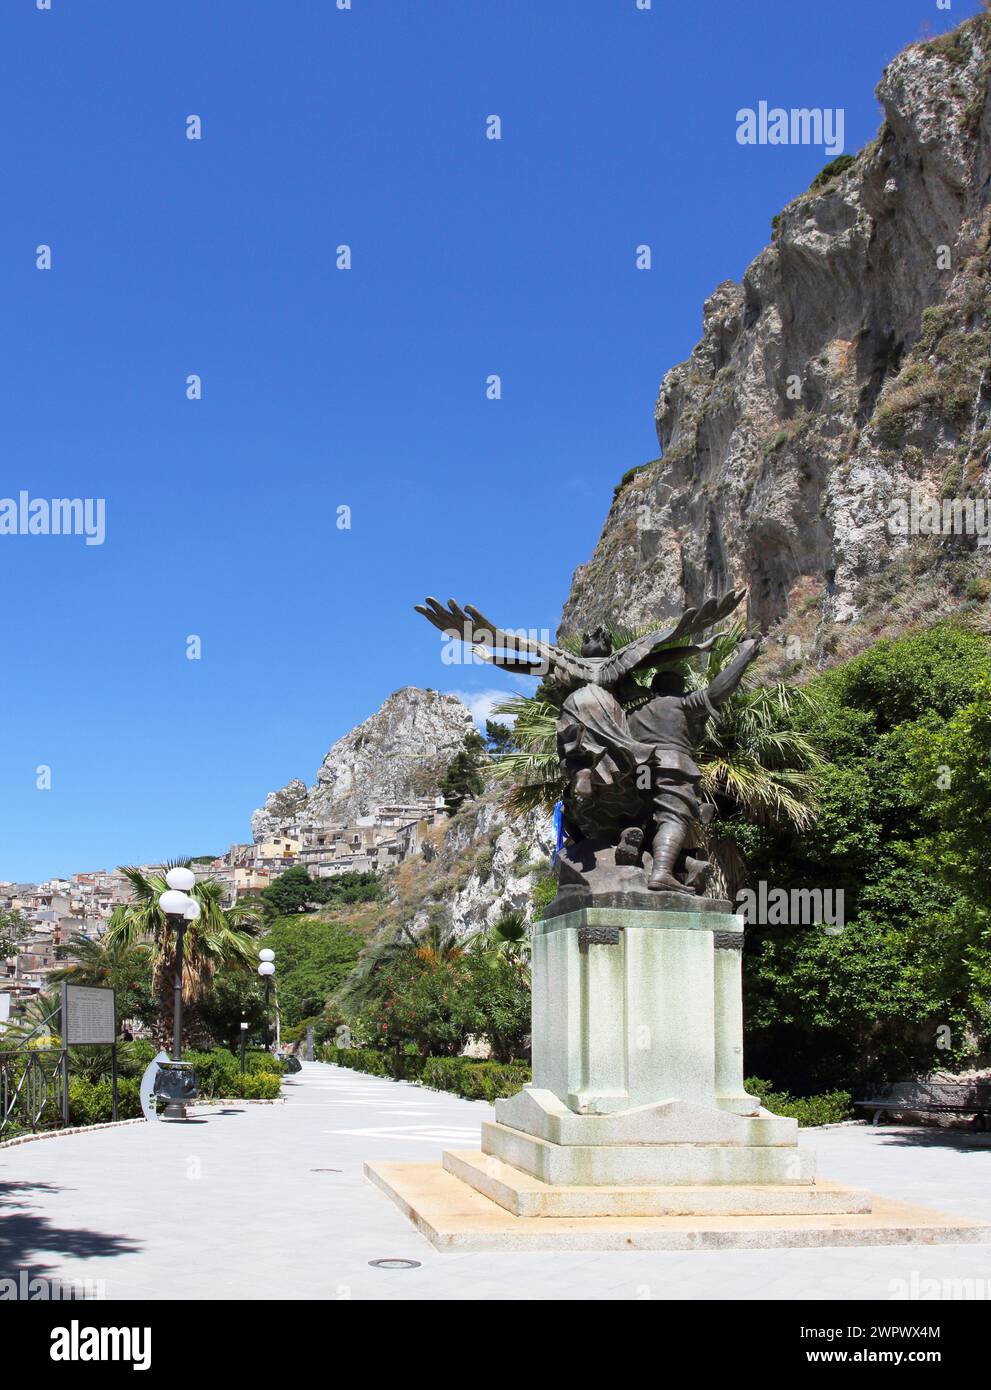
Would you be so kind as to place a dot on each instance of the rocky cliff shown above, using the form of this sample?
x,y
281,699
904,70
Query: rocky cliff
x,y
849,368
480,866
471,869
397,754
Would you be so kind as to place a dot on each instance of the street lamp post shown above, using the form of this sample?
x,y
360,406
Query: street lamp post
x,y
180,909
266,970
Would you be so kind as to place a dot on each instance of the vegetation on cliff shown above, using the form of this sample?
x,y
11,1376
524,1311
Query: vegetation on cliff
x,y
901,831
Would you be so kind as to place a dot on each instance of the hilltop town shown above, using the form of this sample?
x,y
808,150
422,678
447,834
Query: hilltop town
x,y
370,809
81,905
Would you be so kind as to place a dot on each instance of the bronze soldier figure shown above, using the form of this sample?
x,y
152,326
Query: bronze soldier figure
x,y
628,774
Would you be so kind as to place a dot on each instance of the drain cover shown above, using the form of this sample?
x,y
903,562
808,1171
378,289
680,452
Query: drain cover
x,y
395,1264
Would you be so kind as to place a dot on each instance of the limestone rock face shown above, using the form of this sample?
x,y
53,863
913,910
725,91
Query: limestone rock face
x,y
398,754
487,865
850,367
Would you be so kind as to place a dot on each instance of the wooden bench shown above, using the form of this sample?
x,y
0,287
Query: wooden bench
x,y
933,1098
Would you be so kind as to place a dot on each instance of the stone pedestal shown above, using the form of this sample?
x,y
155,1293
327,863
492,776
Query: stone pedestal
x,y
632,1007
637,1132
638,1058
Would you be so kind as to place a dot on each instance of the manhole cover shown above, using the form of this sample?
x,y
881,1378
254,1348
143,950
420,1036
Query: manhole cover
x,y
395,1264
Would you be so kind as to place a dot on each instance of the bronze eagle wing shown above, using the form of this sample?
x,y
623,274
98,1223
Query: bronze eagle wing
x,y
511,651
693,620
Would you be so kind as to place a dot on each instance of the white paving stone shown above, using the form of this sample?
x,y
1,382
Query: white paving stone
x,y
229,1207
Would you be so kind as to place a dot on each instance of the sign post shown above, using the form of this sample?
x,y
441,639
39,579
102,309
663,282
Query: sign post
x,y
89,1019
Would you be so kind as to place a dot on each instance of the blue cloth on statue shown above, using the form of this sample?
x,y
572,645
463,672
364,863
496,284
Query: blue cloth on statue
x,y
558,829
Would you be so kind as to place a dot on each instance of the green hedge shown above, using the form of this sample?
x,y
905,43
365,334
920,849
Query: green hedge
x,y
259,1085
493,1080
465,1077
827,1109
475,1080
219,1071
399,1067
91,1102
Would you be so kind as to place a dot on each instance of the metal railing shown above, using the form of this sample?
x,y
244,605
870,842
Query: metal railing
x,y
32,1089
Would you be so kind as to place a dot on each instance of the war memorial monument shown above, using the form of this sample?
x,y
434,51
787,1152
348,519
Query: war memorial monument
x,y
637,1131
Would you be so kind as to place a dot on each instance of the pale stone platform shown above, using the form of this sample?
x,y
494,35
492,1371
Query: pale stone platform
x,y
454,1216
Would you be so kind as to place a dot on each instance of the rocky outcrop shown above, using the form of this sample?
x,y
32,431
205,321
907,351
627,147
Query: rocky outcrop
x,y
470,871
485,866
849,368
397,755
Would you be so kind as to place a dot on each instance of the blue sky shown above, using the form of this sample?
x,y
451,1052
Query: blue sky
x,y
323,387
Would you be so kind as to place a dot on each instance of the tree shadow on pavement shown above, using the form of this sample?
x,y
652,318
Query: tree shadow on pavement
x,y
926,1137
25,1234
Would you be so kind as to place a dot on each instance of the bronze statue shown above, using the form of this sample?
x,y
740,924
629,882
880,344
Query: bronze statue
x,y
627,751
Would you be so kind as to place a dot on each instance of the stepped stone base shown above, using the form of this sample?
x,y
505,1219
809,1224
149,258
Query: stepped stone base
x,y
542,1114
453,1215
545,1116
524,1195
624,1165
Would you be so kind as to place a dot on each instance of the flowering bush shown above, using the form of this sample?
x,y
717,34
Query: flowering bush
x,y
435,1006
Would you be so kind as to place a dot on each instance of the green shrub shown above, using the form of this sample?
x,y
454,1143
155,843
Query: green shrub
x,y
628,477
832,170
461,1075
827,1012
260,1061
216,1071
543,893
827,1109
91,1102
259,1086
219,1072
485,862
475,1080
133,1057
401,1067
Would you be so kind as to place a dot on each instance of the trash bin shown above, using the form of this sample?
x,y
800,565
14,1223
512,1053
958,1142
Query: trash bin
x,y
176,1084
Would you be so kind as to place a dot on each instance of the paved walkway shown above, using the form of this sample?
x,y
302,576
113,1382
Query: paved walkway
x,y
269,1202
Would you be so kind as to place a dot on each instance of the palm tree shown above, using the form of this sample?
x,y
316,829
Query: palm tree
x,y
368,980
507,941
116,964
754,766
35,1025
365,983
219,936
435,946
